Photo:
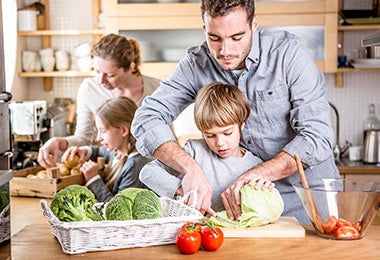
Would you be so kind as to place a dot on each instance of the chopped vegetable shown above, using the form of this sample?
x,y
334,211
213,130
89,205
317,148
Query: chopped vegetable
x,y
341,228
258,207
75,203
134,203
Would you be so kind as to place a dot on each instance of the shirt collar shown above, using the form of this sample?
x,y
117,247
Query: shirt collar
x,y
254,53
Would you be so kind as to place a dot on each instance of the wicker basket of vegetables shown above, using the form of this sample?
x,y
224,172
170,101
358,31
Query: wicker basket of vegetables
x,y
133,218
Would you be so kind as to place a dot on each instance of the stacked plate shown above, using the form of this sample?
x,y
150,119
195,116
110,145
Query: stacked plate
x,y
366,63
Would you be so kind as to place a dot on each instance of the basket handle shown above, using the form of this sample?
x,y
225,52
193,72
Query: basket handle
x,y
187,195
49,215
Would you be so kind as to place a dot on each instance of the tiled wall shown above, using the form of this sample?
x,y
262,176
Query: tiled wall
x,y
360,88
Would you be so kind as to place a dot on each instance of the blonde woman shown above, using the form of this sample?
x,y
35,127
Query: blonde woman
x,y
117,65
113,121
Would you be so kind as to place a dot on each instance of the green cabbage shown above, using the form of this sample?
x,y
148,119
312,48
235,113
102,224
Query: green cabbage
x,y
134,203
258,208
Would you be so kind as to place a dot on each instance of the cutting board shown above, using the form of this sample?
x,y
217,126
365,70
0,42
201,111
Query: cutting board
x,y
283,227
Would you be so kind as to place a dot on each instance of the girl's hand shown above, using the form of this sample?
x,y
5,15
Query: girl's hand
x,y
89,170
72,151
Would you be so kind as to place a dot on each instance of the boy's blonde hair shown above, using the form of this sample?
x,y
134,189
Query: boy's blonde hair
x,y
220,105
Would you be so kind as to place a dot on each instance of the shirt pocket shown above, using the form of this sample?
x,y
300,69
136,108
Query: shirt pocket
x,y
272,106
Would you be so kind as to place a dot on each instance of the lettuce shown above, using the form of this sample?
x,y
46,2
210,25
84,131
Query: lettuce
x,y
258,208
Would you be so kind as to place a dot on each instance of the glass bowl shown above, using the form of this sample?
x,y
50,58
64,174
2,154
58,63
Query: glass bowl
x,y
346,207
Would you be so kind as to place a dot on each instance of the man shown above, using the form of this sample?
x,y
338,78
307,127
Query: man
x,y
287,95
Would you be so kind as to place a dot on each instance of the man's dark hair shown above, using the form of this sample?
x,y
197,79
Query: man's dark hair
x,y
216,8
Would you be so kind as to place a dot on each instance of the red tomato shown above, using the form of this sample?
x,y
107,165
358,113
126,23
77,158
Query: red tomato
x,y
330,225
188,240
212,238
347,232
343,223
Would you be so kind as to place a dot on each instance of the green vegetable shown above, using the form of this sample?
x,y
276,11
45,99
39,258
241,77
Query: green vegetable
x,y
4,200
134,203
75,203
258,208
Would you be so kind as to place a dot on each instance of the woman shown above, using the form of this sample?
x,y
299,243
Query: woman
x,y
116,63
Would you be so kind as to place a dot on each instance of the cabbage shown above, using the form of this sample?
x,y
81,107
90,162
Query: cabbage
x,y
134,203
258,208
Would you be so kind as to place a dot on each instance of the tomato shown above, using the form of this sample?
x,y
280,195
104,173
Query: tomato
x,y
330,225
343,223
347,232
212,238
188,239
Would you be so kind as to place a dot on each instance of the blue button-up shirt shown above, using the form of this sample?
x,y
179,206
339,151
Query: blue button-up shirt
x,y
286,92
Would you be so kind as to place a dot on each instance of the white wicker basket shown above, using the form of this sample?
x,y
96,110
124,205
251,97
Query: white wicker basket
x,y
5,223
86,236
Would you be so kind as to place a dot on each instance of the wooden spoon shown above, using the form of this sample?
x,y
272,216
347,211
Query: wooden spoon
x,y
314,212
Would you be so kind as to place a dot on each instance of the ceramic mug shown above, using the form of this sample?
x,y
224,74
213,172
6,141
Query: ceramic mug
x,y
48,63
355,153
46,52
28,62
62,60
27,20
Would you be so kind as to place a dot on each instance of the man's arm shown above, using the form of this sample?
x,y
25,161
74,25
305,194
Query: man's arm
x,y
171,154
281,166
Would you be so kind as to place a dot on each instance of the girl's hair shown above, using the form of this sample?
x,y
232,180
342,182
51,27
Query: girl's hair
x,y
220,105
120,50
117,112
216,8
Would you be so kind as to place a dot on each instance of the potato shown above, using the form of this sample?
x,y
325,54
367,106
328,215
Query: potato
x,y
71,163
63,170
31,176
42,174
75,171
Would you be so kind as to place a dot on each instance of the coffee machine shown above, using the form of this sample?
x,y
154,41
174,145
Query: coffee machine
x,y
28,124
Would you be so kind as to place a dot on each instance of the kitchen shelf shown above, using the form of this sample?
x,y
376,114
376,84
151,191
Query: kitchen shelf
x,y
63,32
46,33
69,73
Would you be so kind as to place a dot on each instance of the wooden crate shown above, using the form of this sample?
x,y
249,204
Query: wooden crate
x,y
42,188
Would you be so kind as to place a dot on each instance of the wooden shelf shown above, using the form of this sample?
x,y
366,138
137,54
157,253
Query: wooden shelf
x,y
69,73
63,32
358,27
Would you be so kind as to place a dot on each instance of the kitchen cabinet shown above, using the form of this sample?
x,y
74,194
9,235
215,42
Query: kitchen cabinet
x,y
45,33
187,16
346,29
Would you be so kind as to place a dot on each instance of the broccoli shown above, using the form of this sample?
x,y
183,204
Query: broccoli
x,y
4,199
75,203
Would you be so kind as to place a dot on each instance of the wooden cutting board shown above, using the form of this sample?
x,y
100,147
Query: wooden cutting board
x,y
283,227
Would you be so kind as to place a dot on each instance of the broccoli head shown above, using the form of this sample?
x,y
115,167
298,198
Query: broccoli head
x,y
75,203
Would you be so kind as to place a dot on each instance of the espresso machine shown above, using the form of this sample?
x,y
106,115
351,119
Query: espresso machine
x,y
28,124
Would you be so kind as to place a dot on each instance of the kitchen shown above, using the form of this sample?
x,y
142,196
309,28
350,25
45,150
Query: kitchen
x,y
352,100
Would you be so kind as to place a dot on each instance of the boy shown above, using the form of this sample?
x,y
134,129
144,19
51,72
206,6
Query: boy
x,y
220,112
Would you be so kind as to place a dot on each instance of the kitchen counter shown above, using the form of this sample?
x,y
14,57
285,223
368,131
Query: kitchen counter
x,y
351,167
32,239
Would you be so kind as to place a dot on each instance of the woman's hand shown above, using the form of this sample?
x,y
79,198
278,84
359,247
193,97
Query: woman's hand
x,y
48,153
89,170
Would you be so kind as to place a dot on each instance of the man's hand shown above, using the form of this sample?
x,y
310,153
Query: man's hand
x,y
48,153
72,151
261,176
171,154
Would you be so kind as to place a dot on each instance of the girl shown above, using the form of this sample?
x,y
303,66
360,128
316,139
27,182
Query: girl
x,y
113,121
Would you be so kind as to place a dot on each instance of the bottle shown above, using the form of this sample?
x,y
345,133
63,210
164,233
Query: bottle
x,y
371,122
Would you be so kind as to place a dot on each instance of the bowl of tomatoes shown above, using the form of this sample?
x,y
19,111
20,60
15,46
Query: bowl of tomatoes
x,y
340,209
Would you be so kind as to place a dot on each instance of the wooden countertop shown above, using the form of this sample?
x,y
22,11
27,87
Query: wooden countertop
x,y
32,239
361,168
